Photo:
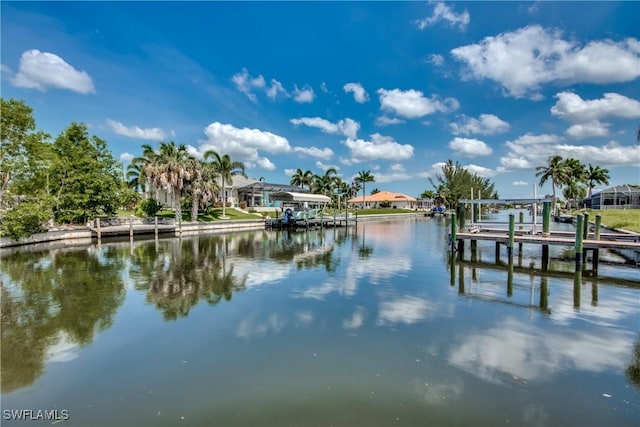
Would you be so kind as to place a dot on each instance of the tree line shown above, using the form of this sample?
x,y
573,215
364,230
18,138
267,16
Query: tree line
x,y
330,184
574,178
75,178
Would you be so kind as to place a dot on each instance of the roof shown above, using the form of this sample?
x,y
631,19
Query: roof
x,y
627,189
288,196
383,196
265,186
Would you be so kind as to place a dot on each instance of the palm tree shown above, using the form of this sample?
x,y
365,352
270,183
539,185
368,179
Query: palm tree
x,y
428,194
203,186
364,177
226,168
136,170
596,175
324,184
556,171
302,178
374,191
170,169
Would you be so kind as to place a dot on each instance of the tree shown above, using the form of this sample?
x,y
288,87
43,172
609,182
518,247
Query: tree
x,y
456,183
573,192
556,171
596,175
324,184
24,155
226,168
428,194
362,178
302,178
85,178
374,191
170,169
202,187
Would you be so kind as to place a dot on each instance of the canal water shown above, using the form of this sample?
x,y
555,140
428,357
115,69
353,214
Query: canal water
x,y
367,326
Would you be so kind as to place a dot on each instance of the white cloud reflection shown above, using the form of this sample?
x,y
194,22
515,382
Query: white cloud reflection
x,y
515,350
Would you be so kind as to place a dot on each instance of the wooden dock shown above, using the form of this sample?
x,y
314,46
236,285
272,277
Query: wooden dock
x,y
584,238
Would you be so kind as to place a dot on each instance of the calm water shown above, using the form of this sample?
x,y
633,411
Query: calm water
x,y
362,327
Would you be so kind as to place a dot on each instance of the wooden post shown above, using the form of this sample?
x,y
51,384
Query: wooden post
x,y
474,250
497,252
545,257
131,226
454,231
544,293
452,269
521,222
594,293
460,249
512,229
577,283
596,252
461,280
585,234
155,225
99,232
546,218
578,246
510,278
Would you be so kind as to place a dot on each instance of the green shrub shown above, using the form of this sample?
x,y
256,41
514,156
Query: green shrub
x,y
24,220
385,204
148,208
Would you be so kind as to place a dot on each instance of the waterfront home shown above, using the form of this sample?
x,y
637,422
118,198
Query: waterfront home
x,y
384,199
617,197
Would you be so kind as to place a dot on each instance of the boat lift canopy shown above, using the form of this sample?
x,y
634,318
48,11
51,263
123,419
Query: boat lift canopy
x,y
288,196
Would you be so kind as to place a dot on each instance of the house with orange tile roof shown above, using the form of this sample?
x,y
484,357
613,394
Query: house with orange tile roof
x,y
397,200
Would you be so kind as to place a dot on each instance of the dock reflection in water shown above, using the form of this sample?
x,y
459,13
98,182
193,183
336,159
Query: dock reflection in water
x,y
374,325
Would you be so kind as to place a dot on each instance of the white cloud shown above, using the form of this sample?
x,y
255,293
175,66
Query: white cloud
x,y
304,95
347,127
541,56
42,70
486,124
442,12
412,103
324,167
519,183
246,84
126,157
359,94
321,153
469,147
324,88
386,121
530,151
243,144
380,147
289,172
154,134
436,59
396,172
356,320
480,170
573,108
593,128
405,309
275,89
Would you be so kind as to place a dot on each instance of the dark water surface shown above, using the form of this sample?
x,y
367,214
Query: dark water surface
x,y
358,327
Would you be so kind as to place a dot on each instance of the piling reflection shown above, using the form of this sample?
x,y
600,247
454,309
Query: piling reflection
x,y
52,300
633,368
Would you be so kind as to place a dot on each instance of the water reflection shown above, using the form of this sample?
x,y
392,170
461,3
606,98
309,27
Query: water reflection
x,y
53,302
178,274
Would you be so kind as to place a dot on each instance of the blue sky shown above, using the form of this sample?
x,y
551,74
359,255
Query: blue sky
x,y
391,87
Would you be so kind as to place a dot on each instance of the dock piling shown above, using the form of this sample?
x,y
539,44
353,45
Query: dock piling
x,y
595,255
578,246
546,218
512,229
99,232
454,231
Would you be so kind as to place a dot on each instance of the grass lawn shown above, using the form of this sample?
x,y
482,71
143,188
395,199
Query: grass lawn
x,y
212,215
628,219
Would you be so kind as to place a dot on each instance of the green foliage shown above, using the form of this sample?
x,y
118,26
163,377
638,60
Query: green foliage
x,y
25,219
456,182
385,204
149,207
85,177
